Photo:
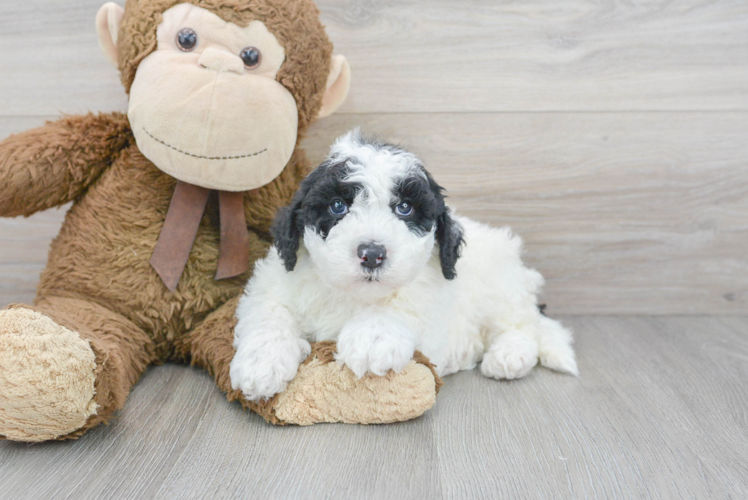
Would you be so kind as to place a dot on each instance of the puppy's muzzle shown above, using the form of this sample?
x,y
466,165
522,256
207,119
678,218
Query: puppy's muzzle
x,y
372,255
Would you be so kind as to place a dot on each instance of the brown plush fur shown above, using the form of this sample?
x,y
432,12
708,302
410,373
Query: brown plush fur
x,y
98,281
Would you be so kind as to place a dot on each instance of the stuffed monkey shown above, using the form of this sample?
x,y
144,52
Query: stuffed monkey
x,y
171,205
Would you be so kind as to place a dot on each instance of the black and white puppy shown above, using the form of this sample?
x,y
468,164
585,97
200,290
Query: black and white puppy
x,y
369,255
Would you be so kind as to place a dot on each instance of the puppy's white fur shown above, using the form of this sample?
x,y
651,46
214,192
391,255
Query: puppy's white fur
x,y
487,313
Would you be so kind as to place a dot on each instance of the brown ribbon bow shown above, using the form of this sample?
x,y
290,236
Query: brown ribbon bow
x,y
180,229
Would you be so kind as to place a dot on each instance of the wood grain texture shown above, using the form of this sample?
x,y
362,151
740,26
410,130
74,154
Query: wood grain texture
x,y
611,134
622,212
543,55
660,411
440,56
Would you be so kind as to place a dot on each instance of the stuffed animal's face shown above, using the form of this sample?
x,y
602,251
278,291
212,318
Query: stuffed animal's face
x,y
369,217
220,104
205,106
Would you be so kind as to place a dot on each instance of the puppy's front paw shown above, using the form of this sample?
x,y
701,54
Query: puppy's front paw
x,y
264,364
376,350
512,356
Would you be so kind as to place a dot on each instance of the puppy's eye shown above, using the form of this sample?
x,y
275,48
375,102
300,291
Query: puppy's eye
x,y
251,57
339,207
404,209
187,40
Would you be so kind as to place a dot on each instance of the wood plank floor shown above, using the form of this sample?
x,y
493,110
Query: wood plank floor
x,y
660,411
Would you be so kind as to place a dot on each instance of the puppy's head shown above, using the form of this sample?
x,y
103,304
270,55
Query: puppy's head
x,y
370,217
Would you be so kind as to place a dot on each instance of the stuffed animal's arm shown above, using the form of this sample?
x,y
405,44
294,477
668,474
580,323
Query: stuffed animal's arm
x,y
54,164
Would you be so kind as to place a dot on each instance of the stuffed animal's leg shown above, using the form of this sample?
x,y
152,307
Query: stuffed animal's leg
x,y
66,365
323,390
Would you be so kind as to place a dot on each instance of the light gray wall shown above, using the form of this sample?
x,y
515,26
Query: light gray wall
x,y
612,135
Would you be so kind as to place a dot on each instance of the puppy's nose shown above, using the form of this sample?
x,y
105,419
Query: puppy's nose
x,y
372,255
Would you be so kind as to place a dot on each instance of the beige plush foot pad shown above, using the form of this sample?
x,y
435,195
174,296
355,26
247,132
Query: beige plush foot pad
x,y
46,377
324,391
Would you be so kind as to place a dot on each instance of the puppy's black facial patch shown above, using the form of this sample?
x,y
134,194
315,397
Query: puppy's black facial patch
x,y
327,189
310,207
417,191
427,198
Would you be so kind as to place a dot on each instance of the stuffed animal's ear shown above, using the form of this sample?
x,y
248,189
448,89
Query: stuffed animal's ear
x,y
286,231
338,85
108,23
449,236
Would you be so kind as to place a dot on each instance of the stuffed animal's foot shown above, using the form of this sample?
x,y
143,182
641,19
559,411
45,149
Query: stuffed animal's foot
x,y
46,377
325,391
322,390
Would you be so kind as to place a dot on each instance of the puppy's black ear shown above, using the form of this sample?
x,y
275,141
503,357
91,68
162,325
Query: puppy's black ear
x,y
449,234
286,234
288,225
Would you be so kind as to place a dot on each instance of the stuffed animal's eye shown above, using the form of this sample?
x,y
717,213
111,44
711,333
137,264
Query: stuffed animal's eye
x,y
251,57
187,40
338,207
404,209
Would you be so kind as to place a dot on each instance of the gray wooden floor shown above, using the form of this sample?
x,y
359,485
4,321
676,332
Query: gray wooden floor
x,y
660,411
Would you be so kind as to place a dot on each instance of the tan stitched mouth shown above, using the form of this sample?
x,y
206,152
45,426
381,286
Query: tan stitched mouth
x,y
202,157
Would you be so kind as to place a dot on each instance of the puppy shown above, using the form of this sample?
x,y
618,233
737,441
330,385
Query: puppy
x,y
368,254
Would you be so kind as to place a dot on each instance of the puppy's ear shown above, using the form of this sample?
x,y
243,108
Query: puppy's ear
x,y
286,233
288,226
449,234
